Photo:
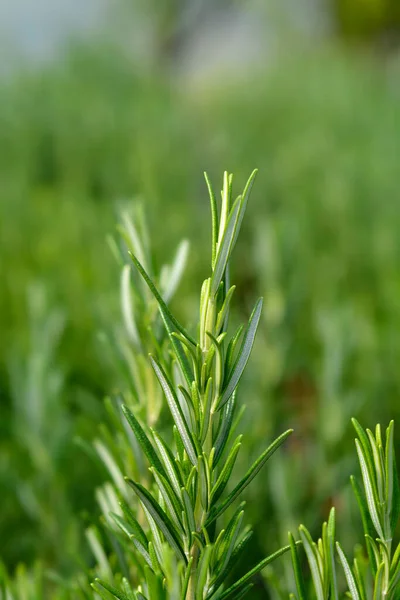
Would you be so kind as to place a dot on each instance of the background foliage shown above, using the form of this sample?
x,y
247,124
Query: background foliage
x,y
84,137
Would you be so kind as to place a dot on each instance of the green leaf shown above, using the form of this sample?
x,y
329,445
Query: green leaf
x,y
172,502
165,312
244,353
366,519
154,585
311,551
104,595
244,200
372,500
202,572
224,573
225,248
176,270
204,483
251,473
131,533
189,510
225,425
394,517
392,486
226,195
364,441
242,592
169,463
113,590
230,537
156,545
214,219
177,340
176,411
162,520
127,306
231,350
186,579
142,439
226,472
205,411
228,594
224,310
155,563
351,582
379,583
298,575
219,362
331,533
395,573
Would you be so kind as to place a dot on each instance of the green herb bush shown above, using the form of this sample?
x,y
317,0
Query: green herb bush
x,y
320,244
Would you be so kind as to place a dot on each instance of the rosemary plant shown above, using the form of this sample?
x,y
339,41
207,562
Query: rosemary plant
x,y
180,551
375,574
129,345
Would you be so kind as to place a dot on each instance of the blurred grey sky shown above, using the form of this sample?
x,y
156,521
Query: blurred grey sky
x,y
229,33
34,29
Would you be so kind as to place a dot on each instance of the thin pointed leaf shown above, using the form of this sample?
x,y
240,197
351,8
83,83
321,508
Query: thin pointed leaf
x,y
189,510
142,439
369,491
131,533
127,306
202,572
298,575
231,350
214,220
313,560
364,441
206,410
251,473
176,411
224,310
226,420
172,502
162,520
224,208
230,538
226,472
186,579
176,271
225,248
236,555
351,582
113,590
168,462
228,594
379,583
331,533
244,200
179,351
134,524
163,307
366,519
244,353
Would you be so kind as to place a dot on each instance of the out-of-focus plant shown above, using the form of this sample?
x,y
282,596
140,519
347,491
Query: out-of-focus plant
x,y
40,429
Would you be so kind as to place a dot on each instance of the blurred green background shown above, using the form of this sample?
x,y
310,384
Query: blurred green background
x,y
307,92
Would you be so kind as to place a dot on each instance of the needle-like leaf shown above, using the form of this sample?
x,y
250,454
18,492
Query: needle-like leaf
x,y
244,353
159,516
251,473
176,411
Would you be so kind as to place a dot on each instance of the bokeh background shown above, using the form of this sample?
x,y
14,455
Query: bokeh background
x,y
102,103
